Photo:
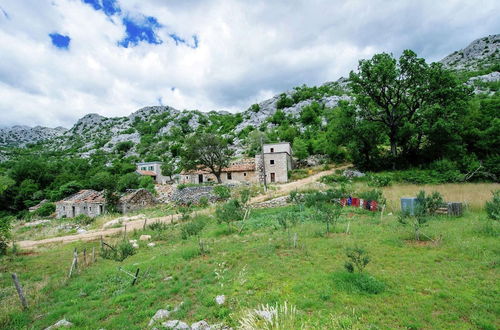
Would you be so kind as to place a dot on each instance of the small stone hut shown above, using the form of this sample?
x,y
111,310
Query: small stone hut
x,y
88,202
135,199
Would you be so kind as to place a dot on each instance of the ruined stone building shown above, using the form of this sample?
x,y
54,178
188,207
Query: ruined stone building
x,y
88,202
135,199
92,203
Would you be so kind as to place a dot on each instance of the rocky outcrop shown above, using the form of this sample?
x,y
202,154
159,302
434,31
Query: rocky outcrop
x,y
20,136
475,54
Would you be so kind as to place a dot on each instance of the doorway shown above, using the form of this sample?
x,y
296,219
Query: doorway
x,y
273,177
200,178
73,212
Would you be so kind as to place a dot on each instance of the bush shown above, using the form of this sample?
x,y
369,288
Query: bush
x,y
358,259
427,205
373,195
379,180
222,192
5,224
493,206
118,252
158,226
230,211
46,210
334,178
83,219
192,228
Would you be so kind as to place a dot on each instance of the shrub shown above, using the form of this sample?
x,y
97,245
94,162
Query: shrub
x,y
329,214
427,205
83,219
192,228
158,226
5,224
373,195
222,192
379,180
186,185
493,206
232,210
334,178
118,252
203,202
46,210
358,259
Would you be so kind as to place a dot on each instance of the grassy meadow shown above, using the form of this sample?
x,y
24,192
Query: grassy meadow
x,y
449,281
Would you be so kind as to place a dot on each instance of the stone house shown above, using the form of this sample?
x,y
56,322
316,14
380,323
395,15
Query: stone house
x,y
277,163
88,202
238,171
135,199
152,169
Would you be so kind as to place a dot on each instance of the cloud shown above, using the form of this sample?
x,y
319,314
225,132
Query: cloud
x,y
219,54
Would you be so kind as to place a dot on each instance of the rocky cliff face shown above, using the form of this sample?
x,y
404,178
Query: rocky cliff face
x,y
483,51
20,136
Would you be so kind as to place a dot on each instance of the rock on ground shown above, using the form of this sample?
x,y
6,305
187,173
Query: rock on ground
x,y
201,325
60,324
175,324
220,299
159,315
145,237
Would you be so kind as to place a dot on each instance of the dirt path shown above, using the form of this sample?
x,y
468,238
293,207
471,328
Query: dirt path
x,y
93,235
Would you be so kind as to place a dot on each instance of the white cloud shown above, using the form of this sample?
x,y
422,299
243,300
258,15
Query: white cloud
x,y
248,51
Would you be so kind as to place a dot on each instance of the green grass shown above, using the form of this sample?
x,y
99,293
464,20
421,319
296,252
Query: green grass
x,y
451,284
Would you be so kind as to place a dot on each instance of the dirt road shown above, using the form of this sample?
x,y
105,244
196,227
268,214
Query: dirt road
x,y
92,235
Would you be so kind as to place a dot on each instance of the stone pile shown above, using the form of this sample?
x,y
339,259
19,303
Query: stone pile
x,y
193,195
275,202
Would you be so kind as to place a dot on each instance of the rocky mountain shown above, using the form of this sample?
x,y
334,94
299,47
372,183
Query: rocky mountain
x,y
22,135
158,130
478,54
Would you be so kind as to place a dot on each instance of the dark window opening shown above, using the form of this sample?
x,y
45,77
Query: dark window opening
x,y
272,149
244,174
271,161
229,176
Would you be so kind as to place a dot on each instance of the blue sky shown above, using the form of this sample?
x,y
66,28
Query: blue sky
x,y
62,59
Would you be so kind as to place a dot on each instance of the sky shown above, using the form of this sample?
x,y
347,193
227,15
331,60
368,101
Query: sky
x,y
62,59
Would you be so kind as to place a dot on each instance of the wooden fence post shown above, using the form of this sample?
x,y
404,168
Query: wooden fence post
x,y
93,254
20,292
145,222
74,264
85,256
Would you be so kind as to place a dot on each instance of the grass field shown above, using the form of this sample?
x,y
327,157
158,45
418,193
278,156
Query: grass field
x,y
449,283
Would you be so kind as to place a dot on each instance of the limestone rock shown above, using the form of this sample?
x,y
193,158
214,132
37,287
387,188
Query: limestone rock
x,y
151,244
159,315
201,325
60,324
175,324
220,300
145,237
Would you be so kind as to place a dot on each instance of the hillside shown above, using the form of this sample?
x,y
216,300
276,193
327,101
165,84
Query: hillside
x,y
158,130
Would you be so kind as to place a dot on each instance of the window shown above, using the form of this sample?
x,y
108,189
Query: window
x,y
143,168
244,174
151,168
229,176
272,149
271,162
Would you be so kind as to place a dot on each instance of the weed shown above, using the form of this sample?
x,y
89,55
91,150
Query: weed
x,y
493,206
358,259
358,283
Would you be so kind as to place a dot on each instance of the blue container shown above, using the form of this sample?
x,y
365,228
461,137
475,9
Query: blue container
x,y
408,205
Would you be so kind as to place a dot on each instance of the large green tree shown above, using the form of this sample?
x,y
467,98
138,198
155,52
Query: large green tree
x,y
206,150
406,96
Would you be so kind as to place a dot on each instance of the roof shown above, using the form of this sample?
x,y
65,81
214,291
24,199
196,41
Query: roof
x,y
148,163
150,173
270,144
85,196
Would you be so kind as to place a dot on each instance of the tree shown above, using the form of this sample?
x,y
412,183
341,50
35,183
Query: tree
x,y
5,224
400,94
206,150
300,148
168,168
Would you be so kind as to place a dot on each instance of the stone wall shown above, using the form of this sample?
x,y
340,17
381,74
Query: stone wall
x,y
282,163
70,210
192,195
